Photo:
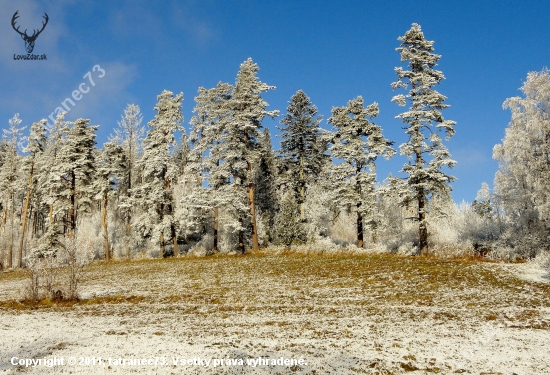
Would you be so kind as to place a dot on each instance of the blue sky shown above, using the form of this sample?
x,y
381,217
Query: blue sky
x,y
334,51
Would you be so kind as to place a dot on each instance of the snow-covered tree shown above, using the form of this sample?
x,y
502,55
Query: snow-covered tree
x,y
36,146
521,183
248,111
159,172
49,182
225,135
425,149
303,148
482,204
288,227
10,182
357,142
207,158
75,172
265,181
111,165
129,136
225,139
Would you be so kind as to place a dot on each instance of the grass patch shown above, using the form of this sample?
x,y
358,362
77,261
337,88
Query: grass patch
x,y
332,283
47,303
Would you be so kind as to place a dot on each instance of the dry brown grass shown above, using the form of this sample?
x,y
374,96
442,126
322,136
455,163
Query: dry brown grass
x,y
293,282
312,305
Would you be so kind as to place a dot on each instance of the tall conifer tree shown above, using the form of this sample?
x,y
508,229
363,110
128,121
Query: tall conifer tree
x,y
248,110
36,147
129,136
357,142
75,170
10,182
425,149
303,148
159,171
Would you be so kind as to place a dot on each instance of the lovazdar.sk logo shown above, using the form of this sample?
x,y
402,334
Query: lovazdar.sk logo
x,y
29,39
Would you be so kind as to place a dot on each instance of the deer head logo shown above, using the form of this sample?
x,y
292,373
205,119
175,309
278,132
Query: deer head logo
x,y
29,40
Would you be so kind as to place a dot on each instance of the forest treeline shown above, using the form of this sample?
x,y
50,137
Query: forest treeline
x,y
221,186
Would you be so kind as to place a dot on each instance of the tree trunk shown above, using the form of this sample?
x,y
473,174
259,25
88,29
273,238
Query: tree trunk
x,y
359,204
170,207
105,228
359,227
5,217
241,238
128,232
161,238
422,229
255,246
24,218
216,218
421,198
72,214
10,258
128,214
34,223
174,240
302,192
161,249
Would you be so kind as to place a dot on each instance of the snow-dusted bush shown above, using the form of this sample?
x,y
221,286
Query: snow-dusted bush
x,y
263,228
318,212
202,248
76,254
288,227
344,229
452,250
408,248
34,271
321,246
544,260
57,264
473,226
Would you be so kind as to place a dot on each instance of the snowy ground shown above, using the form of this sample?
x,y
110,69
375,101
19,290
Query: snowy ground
x,y
374,314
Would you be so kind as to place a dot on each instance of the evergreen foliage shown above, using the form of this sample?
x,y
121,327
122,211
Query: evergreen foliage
x,y
303,152
357,142
425,149
288,227
76,171
521,183
159,172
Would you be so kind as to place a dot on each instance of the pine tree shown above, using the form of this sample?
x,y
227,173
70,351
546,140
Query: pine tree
x,y
111,164
288,226
357,142
36,147
303,149
159,171
49,182
213,115
248,111
426,152
10,182
129,136
265,183
482,205
75,170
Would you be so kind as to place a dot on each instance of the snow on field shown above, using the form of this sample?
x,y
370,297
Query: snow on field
x,y
530,271
374,314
